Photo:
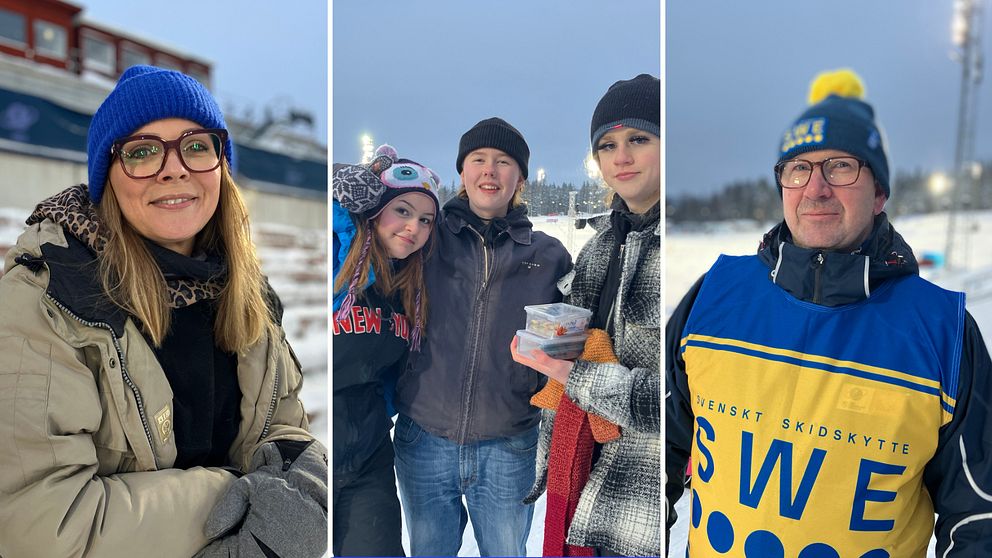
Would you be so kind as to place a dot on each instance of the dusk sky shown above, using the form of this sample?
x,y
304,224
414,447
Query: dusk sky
x,y
418,74
263,53
738,73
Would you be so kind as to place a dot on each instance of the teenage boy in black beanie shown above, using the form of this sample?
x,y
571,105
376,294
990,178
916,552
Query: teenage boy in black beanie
x,y
831,400
466,427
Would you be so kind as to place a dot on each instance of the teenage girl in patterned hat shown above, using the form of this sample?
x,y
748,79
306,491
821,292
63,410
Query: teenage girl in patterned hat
x,y
383,220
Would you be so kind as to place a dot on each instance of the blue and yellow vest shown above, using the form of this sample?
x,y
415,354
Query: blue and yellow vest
x,y
813,424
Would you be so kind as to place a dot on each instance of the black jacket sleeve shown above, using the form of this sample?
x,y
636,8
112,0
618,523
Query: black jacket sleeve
x,y
678,407
959,477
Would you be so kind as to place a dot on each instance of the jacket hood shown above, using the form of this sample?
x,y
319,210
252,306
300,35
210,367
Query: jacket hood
x,y
836,278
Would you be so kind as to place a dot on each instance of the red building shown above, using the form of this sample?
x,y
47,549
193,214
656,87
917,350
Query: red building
x,y
55,33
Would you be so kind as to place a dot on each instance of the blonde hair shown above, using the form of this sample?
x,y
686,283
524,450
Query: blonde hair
x,y
610,192
408,280
133,280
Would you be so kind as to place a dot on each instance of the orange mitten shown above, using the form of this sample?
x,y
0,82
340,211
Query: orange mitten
x,y
598,348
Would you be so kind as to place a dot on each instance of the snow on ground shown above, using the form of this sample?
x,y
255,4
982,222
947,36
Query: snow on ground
x,y
295,261
690,253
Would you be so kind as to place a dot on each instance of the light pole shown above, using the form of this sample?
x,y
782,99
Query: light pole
x,y
966,35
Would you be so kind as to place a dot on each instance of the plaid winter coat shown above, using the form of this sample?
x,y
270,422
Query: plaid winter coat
x,y
620,506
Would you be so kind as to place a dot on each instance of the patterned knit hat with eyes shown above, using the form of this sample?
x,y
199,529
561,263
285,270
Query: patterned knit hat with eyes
x,y
366,190
839,119
145,94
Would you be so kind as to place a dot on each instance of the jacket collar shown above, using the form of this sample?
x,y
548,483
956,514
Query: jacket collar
x,y
517,226
835,278
74,282
603,221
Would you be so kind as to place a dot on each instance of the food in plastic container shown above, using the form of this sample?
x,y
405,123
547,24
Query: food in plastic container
x,y
556,320
565,348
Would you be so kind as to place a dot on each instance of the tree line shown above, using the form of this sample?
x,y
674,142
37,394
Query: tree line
x,y
551,198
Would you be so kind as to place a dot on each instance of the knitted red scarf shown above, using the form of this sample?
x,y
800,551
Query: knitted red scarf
x,y
569,464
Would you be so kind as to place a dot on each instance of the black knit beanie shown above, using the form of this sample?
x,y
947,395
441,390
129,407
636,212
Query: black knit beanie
x,y
634,103
496,133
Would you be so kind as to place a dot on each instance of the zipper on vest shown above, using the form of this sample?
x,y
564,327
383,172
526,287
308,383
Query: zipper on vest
x,y
272,404
817,272
120,358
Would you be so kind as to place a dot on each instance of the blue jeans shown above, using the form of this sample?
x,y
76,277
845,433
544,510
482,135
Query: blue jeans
x,y
493,475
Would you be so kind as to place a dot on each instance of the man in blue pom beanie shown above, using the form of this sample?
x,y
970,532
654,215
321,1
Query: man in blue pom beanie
x,y
846,400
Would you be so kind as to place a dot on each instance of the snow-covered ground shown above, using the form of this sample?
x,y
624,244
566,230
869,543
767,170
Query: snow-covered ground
x,y
295,261
690,254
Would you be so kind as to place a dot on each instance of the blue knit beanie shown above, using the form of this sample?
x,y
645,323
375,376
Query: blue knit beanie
x,y
145,94
838,119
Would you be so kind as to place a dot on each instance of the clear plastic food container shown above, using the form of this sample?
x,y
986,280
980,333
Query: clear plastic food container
x,y
567,347
556,320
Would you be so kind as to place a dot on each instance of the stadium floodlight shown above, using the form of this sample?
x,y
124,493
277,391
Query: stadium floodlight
x,y
541,175
592,167
959,22
939,183
368,149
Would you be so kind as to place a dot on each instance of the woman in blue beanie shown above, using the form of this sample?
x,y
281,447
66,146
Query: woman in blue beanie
x,y
384,215
149,395
600,448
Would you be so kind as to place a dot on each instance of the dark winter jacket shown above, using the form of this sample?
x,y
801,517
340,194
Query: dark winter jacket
x,y
370,347
620,506
956,472
463,385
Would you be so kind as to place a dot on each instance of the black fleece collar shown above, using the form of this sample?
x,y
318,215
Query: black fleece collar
x,y
836,278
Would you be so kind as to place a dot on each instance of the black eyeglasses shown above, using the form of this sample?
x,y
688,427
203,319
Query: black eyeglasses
x,y
837,171
144,155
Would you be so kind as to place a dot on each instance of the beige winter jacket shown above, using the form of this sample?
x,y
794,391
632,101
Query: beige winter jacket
x,y
86,443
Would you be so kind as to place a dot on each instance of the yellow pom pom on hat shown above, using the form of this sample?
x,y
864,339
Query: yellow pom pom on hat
x,y
843,82
838,118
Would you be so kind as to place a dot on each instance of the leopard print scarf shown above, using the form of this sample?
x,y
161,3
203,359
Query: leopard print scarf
x,y
73,210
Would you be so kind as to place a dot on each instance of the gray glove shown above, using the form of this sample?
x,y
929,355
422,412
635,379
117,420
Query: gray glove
x,y
357,187
302,464
282,502
276,521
